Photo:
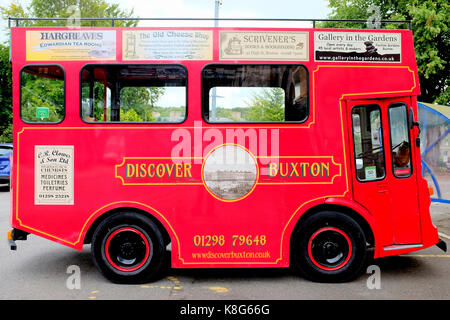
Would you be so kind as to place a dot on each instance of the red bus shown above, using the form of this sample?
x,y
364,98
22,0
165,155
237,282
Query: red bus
x,y
228,147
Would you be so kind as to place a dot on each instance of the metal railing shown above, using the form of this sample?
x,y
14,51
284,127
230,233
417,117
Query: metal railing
x,y
114,20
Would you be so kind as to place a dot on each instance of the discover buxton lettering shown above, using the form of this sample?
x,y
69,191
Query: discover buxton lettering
x,y
147,171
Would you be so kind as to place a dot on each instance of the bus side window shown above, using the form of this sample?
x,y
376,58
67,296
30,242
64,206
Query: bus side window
x,y
258,93
368,143
42,95
134,93
400,144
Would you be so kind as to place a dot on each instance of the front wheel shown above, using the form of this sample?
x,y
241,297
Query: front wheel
x,y
128,248
329,247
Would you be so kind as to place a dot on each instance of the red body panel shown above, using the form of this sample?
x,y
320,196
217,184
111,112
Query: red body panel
x,y
184,205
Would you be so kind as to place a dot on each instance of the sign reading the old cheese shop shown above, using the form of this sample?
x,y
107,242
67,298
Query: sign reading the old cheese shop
x,y
167,45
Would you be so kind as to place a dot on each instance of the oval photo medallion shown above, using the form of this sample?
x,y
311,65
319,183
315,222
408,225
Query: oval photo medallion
x,y
230,172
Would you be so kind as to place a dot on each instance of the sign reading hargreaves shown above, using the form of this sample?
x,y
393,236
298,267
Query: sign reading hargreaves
x,y
264,45
357,46
53,180
71,45
167,45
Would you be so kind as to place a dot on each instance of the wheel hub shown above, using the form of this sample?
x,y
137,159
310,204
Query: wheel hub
x,y
127,249
329,248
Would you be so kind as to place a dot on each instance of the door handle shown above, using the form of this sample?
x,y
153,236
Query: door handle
x,y
382,187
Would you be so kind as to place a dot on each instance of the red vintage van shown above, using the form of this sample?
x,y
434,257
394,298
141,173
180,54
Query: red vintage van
x,y
238,147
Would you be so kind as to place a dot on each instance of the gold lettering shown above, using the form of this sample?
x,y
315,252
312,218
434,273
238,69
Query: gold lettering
x,y
142,171
169,169
178,170
160,170
293,169
187,170
273,171
314,169
130,170
283,173
150,170
325,169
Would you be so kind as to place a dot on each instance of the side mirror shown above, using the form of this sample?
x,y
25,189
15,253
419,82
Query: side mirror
x,y
412,123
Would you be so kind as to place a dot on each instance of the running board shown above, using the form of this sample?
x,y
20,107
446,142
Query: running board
x,y
402,246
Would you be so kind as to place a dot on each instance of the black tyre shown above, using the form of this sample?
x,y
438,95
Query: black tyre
x,y
128,248
329,247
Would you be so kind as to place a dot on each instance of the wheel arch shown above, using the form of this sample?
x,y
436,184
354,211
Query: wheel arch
x,y
107,213
364,220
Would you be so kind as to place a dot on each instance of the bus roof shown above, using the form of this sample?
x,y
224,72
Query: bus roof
x,y
17,20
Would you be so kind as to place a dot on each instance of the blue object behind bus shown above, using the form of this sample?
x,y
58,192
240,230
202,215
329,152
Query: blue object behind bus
x,y
5,165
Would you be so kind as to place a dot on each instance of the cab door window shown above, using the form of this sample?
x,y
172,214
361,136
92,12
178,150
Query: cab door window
x,y
400,142
368,143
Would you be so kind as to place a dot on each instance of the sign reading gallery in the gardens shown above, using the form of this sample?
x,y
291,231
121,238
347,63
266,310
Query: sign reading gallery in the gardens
x,y
53,181
357,46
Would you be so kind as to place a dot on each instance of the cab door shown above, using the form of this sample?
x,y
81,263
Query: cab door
x,y
402,175
368,132
384,175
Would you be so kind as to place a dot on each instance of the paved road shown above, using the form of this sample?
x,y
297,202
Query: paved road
x,y
38,270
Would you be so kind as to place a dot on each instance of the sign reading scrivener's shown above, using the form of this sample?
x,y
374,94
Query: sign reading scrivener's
x,y
264,45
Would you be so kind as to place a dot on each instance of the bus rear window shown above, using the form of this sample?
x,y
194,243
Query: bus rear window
x,y
254,93
42,94
134,93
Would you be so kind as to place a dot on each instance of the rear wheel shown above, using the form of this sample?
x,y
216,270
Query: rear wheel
x,y
128,248
329,247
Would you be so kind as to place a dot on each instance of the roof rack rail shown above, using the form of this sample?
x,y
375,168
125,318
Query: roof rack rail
x,y
113,20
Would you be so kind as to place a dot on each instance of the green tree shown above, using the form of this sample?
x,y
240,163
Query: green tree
x,y
43,92
224,113
66,9
141,99
430,25
267,106
130,116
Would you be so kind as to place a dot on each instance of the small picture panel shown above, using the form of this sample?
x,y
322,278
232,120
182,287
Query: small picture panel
x,y
54,172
